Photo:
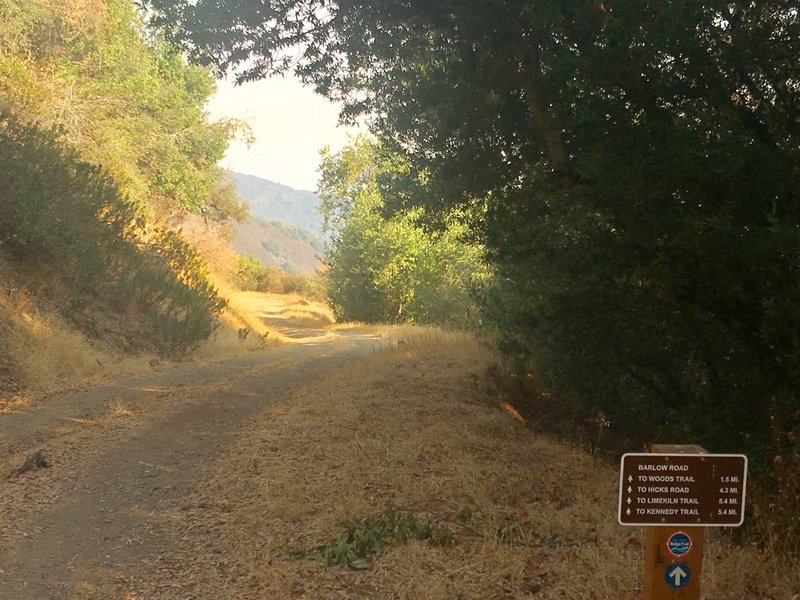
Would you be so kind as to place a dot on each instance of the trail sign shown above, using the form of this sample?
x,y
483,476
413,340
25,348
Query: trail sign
x,y
682,489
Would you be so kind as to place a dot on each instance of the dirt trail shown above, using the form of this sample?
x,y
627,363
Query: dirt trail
x,y
125,456
200,481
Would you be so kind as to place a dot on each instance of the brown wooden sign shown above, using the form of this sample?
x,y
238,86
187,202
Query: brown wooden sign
x,y
682,489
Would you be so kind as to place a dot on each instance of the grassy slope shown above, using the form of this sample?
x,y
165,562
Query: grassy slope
x,y
416,427
276,244
37,349
41,353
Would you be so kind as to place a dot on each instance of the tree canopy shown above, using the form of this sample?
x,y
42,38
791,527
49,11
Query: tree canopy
x,y
122,95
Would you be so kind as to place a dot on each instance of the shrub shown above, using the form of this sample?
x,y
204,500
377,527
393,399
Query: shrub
x,y
59,209
252,275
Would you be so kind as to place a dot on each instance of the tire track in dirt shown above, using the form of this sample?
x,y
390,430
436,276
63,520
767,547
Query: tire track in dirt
x,y
119,495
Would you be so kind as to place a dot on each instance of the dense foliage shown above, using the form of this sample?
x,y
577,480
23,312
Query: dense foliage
x,y
641,162
122,96
390,269
60,211
251,274
103,140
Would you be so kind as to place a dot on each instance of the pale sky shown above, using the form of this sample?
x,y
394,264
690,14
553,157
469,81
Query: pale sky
x,y
291,125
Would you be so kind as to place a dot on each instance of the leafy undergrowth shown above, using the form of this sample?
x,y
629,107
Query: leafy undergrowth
x,y
417,428
366,539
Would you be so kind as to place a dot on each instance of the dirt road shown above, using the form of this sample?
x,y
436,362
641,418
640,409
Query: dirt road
x,y
125,456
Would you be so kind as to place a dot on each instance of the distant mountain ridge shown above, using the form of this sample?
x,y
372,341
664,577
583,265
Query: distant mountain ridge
x,y
285,228
277,202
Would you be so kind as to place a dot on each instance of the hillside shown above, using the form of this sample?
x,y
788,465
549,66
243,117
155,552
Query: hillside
x,y
285,228
104,140
276,202
278,245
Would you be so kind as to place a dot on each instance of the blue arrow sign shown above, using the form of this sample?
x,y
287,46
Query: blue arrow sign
x,y
677,575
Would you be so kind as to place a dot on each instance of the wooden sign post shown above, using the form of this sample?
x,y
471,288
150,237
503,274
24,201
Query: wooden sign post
x,y
675,492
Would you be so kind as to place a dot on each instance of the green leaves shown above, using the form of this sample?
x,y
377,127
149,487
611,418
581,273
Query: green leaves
x,y
64,212
389,268
639,161
103,129
365,540
124,97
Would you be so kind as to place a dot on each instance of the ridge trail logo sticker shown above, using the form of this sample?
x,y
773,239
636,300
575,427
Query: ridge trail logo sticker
x,y
679,544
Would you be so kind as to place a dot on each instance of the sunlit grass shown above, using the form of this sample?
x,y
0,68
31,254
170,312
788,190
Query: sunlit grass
x,y
46,352
308,319
416,426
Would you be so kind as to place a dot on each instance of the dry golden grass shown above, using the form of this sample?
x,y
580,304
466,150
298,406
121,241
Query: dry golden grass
x,y
45,352
263,315
269,320
426,337
286,306
214,246
414,427
209,241
46,355
227,341
289,318
305,318
41,353
239,310
240,314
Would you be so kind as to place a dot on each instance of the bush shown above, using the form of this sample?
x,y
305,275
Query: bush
x,y
59,209
252,275
391,268
695,343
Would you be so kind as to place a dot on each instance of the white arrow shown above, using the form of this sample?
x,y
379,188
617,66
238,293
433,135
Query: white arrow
x,y
630,489
629,500
677,574
627,512
630,478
